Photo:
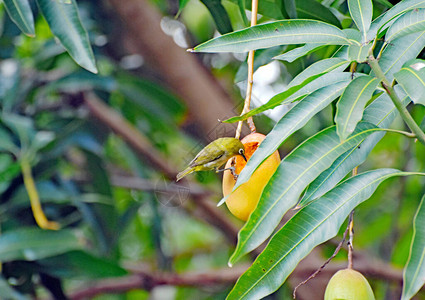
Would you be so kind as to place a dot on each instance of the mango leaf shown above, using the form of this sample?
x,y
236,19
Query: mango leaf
x,y
284,32
297,92
334,64
358,53
298,52
34,243
381,113
219,14
361,13
413,82
296,171
411,22
80,264
414,271
65,23
182,5
314,224
20,13
384,21
400,51
311,9
351,104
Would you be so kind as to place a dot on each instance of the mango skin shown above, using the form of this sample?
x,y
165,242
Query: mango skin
x,y
245,199
348,284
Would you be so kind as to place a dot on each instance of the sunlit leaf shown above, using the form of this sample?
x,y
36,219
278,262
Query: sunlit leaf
x,y
298,52
414,271
314,224
284,32
411,22
413,82
351,104
296,171
361,13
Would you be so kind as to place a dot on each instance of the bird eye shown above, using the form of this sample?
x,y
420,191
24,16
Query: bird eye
x,y
241,151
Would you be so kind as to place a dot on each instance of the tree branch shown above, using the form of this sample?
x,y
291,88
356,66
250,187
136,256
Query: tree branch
x,y
206,100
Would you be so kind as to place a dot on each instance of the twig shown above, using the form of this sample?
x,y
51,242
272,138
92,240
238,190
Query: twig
x,y
350,239
373,63
250,61
344,237
37,210
149,280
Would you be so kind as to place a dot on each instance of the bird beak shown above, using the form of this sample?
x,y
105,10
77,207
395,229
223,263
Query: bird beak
x,y
244,157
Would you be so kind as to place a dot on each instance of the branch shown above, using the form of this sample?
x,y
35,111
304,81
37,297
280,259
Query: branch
x,y
147,281
206,100
420,135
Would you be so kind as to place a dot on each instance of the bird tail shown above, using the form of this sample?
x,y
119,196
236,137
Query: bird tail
x,y
184,173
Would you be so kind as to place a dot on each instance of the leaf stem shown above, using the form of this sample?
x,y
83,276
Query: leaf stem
x,y
250,61
373,63
37,211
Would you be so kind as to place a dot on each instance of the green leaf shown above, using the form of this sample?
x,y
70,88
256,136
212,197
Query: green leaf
x,y
314,224
381,113
361,13
182,5
242,7
358,53
414,271
297,92
311,9
381,23
411,22
65,23
351,105
326,65
34,243
413,81
400,51
284,32
81,264
20,12
296,171
219,14
298,52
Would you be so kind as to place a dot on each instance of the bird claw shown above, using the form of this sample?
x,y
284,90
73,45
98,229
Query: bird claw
x,y
232,170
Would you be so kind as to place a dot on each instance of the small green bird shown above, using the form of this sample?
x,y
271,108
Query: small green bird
x,y
214,155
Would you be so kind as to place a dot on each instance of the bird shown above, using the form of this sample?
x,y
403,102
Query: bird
x,y
214,155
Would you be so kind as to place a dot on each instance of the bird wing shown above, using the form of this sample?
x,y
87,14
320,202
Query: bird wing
x,y
206,156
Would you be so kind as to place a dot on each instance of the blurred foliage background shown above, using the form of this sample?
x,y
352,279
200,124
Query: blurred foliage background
x,y
103,150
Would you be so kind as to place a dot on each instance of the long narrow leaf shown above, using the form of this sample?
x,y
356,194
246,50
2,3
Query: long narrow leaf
x,y
351,105
311,9
311,226
296,171
296,92
410,22
413,82
414,271
284,32
65,23
20,12
381,113
400,51
219,14
380,24
34,243
361,13
298,52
